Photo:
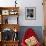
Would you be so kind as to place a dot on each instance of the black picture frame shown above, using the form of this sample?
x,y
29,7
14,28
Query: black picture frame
x,y
30,13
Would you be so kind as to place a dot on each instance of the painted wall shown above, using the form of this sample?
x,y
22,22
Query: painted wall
x,y
25,3
39,13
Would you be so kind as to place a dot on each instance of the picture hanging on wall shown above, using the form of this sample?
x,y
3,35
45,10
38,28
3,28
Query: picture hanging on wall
x,y
30,13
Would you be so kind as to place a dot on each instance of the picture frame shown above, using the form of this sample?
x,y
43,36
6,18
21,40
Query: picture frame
x,y
5,12
30,13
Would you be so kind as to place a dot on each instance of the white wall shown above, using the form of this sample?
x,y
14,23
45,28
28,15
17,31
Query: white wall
x,y
27,3
39,12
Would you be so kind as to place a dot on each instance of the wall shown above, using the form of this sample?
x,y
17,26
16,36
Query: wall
x,y
25,3
39,13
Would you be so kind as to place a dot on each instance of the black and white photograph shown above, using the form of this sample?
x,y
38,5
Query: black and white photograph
x,y
30,13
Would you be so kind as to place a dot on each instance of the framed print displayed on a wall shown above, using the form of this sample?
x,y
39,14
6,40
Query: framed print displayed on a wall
x,y
30,13
5,12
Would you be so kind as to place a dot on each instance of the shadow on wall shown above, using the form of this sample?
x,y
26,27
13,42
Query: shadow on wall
x,y
37,29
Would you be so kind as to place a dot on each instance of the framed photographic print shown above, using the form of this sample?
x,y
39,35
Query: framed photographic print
x,y
5,12
30,13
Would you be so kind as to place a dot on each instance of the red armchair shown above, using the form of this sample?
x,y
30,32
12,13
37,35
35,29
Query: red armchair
x,y
28,34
